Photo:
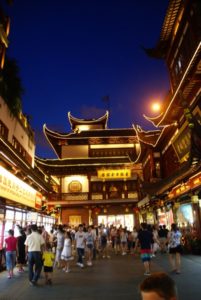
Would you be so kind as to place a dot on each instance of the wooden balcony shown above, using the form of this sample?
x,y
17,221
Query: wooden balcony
x,y
92,198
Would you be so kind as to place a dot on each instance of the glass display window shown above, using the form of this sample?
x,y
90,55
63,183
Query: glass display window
x,y
117,221
24,219
39,220
31,217
18,216
102,220
9,224
10,214
185,215
111,220
129,222
120,221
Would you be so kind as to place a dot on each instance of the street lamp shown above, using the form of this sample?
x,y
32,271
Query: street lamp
x,y
156,107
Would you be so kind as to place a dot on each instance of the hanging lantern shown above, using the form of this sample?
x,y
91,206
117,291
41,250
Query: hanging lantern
x,y
136,210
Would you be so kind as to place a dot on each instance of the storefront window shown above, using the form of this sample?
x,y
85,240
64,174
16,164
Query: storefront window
x,y
102,220
185,215
117,221
31,217
18,216
165,217
24,219
1,234
39,220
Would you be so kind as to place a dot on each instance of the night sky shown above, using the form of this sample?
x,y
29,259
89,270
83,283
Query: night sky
x,y
72,53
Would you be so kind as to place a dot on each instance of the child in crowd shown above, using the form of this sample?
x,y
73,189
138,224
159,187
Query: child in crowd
x,y
48,261
158,286
66,254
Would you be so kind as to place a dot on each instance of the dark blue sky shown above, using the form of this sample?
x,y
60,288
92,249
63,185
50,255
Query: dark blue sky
x,y
71,53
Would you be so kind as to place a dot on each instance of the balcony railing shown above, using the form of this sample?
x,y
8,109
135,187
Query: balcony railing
x,y
89,198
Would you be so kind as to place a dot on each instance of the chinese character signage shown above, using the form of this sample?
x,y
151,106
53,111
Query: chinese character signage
x,y
14,189
109,174
182,144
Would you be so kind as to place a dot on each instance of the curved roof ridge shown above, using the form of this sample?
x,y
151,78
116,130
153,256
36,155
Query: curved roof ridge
x,y
55,133
74,120
154,120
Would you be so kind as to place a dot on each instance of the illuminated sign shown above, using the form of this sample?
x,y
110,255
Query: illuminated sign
x,y
111,174
182,144
16,190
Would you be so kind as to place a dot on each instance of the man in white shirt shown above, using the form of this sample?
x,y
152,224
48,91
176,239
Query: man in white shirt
x,y
34,245
80,245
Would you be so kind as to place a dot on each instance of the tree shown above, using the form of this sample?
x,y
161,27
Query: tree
x,y
11,88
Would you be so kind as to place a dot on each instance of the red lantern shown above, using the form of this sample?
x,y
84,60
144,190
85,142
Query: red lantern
x,y
136,210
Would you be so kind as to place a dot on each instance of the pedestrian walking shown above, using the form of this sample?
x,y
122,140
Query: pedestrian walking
x,y
90,241
34,245
21,257
59,246
80,245
145,239
11,250
123,236
66,254
175,248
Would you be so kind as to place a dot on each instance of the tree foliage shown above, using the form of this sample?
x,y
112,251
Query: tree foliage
x,y
11,88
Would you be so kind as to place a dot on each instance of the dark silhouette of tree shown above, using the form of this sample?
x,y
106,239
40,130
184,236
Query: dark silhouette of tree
x,y
11,88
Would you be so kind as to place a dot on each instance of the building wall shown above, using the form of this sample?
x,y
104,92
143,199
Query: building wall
x,y
170,162
75,151
73,213
185,38
15,129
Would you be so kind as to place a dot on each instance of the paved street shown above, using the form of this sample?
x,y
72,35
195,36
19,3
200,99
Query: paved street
x,y
116,278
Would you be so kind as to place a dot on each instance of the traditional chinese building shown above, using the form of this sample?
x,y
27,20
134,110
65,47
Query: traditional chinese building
x,y
23,187
172,162
97,179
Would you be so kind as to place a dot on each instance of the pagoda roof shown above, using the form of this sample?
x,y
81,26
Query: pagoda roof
x,y
147,137
170,18
57,140
80,165
161,48
99,121
188,87
151,138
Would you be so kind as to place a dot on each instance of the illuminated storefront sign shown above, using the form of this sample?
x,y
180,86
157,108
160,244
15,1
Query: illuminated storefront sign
x,y
182,144
192,183
14,189
113,173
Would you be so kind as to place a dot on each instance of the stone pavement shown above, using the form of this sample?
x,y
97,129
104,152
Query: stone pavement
x,y
108,279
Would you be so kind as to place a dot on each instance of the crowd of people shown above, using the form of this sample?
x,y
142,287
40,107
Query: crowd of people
x,y
83,244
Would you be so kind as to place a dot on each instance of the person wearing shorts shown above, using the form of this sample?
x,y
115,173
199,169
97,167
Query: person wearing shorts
x,y
175,248
90,240
145,239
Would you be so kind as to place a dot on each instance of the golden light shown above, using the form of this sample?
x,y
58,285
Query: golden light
x,y
156,107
